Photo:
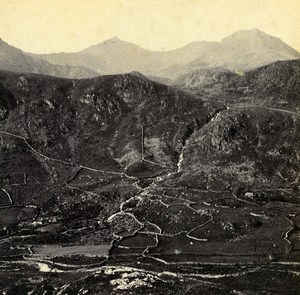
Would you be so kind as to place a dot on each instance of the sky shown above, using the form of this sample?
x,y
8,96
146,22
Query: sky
x,y
46,26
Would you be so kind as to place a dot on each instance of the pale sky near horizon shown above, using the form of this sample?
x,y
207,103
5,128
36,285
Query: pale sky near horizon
x,y
45,26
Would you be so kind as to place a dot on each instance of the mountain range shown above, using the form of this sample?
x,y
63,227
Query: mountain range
x,y
118,183
240,51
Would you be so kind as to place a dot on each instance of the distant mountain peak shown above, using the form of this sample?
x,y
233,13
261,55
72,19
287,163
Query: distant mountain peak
x,y
113,40
252,32
255,30
248,34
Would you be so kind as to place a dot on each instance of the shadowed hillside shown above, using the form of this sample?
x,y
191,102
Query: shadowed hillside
x,y
100,120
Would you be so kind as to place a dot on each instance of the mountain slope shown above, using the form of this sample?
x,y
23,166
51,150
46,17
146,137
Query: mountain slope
x,y
274,85
247,146
100,120
280,79
99,123
14,59
242,50
202,78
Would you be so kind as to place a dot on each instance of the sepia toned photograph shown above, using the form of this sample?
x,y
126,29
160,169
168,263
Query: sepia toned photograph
x,y
149,147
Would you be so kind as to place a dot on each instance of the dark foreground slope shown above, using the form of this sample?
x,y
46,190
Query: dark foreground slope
x,y
118,184
99,121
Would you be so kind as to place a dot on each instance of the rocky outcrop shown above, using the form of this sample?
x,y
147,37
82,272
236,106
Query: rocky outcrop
x,y
251,147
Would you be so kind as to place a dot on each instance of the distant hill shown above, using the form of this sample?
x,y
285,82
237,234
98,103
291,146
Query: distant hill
x,y
14,59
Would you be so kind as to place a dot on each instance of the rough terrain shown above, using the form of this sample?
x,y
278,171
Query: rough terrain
x,y
122,185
